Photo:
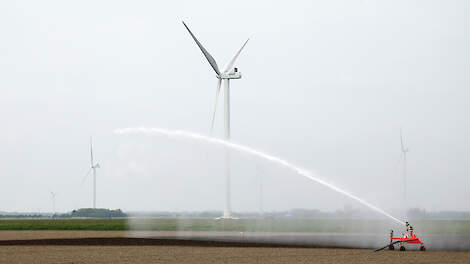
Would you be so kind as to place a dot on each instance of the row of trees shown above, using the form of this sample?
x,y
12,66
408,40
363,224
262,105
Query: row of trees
x,y
84,212
94,213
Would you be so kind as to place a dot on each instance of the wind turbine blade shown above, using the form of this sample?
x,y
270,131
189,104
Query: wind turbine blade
x,y
86,176
401,142
217,92
229,65
208,56
91,151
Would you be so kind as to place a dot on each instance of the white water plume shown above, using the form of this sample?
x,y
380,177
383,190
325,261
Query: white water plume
x,y
254,152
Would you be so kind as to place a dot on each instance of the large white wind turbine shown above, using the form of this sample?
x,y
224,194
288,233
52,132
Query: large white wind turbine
x,y
93,167
229,72
404,151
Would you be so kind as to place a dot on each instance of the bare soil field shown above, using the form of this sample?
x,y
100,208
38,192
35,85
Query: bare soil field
x,y
114,247
195,254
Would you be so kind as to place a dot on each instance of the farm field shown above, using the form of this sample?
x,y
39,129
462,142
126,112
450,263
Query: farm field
x,y
447,227
115,246
64,224
197,254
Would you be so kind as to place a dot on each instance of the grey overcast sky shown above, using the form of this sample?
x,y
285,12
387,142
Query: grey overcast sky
x,y
326,85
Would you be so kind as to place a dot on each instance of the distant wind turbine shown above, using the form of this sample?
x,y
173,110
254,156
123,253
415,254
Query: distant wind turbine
x,y
260,190
229,72
404,151
53,195
93,167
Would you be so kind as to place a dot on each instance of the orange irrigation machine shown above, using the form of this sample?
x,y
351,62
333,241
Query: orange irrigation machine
x,y
409,238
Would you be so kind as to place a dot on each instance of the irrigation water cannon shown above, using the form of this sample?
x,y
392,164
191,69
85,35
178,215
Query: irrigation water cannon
x,y
408,237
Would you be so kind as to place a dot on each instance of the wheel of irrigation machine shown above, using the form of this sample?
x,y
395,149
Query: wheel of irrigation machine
x,y
391,247
402,248
422,248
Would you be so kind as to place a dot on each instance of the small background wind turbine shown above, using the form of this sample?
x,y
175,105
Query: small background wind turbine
x,y
53,195
229,72
93,167
260,190
404,151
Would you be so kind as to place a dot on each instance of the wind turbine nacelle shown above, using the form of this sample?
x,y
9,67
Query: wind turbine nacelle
x,y
233,74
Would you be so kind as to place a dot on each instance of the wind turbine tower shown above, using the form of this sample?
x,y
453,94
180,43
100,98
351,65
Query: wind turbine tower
x,y
260,191
53,195
404,151
93,168
228,73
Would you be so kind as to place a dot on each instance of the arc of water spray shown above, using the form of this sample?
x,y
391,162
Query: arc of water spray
x,y
254,152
